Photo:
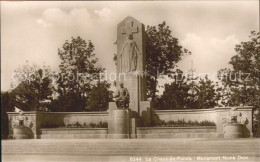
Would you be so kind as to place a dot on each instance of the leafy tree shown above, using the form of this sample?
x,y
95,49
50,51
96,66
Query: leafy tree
x,y
32,86
241,83
175,95
7,105
99,97
163,52
78,70
207,95
183,94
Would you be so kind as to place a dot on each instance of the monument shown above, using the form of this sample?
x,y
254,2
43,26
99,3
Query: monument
x,y
129,116
131,63
131,60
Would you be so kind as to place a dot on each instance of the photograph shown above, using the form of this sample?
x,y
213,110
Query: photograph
x,y
130,81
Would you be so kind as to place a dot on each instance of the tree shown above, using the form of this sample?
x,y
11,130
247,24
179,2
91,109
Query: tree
x,y
99,97
207,95
184,93
175,95
163,52
241,83
7,105
78,71
32,85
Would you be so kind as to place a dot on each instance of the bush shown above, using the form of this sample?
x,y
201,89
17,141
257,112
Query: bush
x,y
183,123
88,125
77,125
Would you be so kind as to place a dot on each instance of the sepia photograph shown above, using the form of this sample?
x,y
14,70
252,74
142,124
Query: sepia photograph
x,y
130,81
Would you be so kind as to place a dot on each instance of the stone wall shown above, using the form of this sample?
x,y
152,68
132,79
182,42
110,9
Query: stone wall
x,y
45,119
193,115
57,119
178,132
64,118
31,115
73,133
214,115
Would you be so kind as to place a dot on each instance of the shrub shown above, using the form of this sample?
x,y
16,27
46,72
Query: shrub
x,y
77,125
183,123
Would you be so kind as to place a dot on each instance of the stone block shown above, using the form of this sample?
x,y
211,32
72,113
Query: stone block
x,y
131,83
134,123
111,108
119,125
145,112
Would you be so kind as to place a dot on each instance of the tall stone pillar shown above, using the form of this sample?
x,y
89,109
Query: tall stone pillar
x,y
131,60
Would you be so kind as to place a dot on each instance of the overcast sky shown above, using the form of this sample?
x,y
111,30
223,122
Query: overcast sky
x,y
34,31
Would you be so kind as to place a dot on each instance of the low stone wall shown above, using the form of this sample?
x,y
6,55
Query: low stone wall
x,y
44,119
214,115
193,115
56,119
178,132
52,119
73,133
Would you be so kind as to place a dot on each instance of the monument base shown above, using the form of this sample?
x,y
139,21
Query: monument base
x,y
233,131
117,136
119,120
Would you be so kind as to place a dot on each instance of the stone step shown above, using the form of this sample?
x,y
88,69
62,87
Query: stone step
x,y
123,149
134,146
128,147
155,136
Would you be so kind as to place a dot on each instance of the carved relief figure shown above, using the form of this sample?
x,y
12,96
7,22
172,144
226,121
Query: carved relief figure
x,y
128,55
234,116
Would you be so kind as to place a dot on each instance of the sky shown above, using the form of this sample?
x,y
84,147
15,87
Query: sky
x,y
34,31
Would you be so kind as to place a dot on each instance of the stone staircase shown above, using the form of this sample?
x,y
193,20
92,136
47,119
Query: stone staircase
x,y
125,149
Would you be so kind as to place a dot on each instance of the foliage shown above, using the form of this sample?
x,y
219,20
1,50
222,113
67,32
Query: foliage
x,y
162,53
33,86
175,95
183,123
78,71
77,125
207,94
241,83
184,93
7,105
99,97
88,125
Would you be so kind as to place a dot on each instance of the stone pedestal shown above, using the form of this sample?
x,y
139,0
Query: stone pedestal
x,y
233,131
119,124
22,132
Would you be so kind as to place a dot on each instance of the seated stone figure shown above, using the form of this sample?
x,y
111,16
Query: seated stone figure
x,y
122,97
